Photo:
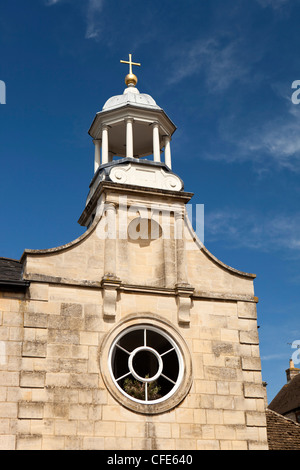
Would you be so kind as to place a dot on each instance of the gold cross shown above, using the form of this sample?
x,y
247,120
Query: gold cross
x,y
130,63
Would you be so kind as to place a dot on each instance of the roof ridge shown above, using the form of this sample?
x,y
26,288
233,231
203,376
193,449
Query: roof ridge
x,y
9,259
283,417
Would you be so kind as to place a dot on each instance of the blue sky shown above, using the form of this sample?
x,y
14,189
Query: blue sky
x,y
222,70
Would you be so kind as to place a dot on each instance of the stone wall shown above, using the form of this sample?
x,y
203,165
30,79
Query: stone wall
x,y
55,391
53,395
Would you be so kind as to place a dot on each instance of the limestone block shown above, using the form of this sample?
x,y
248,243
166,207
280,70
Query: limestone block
x,y
85,428
181,444
84,380
8,410
29,442
53,443
249,337
229,335
225,432
184,415
214,416
208,431
32,379
38,291
79,412
234,417
93,360
92,317
34,349
12,318
251,363
79,351
113,412
223,388
71,309
31,410
254,418
199,416
253,390
106,428
89,338
236,388
58,379
38,394
247,310
223,402
59,350
63,336
56,410
220,348
258,445
35,334
35,320
65,427
220,373
95,443
233,445
208,445
9,379
207,402
7,442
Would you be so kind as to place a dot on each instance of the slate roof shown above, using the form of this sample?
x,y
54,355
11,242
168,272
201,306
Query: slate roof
x,y
288,398
11,274
282,433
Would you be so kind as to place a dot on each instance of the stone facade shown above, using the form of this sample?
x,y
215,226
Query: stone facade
x,y
133,336
54,387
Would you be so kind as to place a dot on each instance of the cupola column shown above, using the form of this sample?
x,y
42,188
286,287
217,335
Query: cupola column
x,y
129,137
156,144
97,143
168,151
104,144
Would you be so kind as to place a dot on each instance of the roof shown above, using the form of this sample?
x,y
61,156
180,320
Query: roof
x,y
282,433
11,273
288,398
131,95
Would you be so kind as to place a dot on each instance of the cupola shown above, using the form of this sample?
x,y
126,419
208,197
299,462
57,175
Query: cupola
x,y
132,137
131,125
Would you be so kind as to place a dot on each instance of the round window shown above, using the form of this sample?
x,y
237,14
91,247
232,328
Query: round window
x,y
145,364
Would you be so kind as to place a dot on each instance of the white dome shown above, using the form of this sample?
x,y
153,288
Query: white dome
x,y
133,97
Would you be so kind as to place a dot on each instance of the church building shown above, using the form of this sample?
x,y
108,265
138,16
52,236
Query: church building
x,y
133,336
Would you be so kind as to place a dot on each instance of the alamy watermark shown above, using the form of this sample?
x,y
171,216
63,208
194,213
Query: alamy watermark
x,y
146,222
2,92
296,354
295,96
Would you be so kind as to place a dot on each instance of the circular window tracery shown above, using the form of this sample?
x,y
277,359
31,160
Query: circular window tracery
x,y
146,364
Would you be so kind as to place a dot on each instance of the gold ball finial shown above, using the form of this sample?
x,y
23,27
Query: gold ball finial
x,y
131,79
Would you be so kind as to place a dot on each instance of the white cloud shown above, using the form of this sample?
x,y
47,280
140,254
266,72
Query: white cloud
x,y
269,143
273,3
93,9
272,357
52,2
262,232
221,63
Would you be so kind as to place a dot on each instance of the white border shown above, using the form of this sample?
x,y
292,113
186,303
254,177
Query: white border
x,y
178,353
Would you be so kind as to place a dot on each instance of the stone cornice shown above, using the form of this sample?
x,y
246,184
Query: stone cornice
x,y
131,190
140,289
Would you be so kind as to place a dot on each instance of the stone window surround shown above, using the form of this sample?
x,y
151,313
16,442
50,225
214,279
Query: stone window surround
x,y
166,328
